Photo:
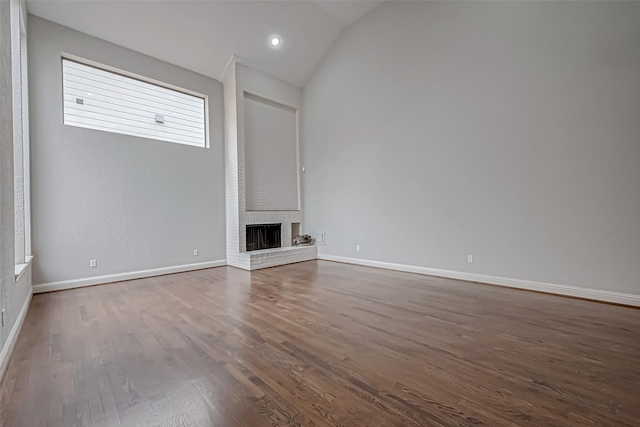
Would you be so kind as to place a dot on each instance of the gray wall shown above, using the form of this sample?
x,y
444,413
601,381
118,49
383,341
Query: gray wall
x,y
131,203
506,130
12,294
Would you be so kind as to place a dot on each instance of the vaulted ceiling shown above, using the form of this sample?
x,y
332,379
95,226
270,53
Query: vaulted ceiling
x,y
202,35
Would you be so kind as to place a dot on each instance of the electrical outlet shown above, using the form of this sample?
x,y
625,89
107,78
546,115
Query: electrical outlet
x,y
357,248
195,252
469,258
93,263
321,238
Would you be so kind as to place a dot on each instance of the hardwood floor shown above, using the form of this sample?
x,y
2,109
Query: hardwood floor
x,y
321,344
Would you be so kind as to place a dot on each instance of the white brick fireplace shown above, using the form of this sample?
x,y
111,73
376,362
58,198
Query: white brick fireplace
x,y
262,165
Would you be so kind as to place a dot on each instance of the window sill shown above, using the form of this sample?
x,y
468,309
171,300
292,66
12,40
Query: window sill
x,y
21,268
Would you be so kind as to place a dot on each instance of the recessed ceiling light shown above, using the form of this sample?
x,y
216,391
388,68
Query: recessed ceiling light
x,y
274,41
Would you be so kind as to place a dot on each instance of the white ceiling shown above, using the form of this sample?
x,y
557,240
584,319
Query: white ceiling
x,y
203,35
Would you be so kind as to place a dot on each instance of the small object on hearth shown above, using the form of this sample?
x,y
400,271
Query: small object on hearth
x,y
304,239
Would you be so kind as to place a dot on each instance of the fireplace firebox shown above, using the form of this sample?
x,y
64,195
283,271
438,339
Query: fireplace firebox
x,y
263,236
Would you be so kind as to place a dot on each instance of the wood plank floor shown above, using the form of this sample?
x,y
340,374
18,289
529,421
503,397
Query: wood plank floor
x,y
321,344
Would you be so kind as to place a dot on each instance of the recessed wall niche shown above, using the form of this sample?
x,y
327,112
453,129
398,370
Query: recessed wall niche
x,y
270,155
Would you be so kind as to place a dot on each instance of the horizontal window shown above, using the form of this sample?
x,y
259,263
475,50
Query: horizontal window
x,y
104,100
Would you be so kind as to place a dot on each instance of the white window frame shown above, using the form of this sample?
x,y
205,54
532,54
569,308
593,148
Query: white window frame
x,y
114,70
21,162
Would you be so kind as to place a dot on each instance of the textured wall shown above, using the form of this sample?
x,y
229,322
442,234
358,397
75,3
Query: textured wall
x,y
12,294
6,167
506,130
131,203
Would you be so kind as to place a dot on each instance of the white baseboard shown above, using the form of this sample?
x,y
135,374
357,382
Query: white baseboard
x,y
110,278
12,339
572,291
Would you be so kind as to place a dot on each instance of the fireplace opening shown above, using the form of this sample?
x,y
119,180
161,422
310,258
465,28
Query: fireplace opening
x,y
263,236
